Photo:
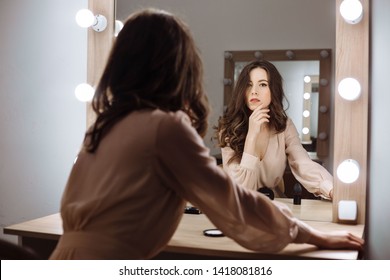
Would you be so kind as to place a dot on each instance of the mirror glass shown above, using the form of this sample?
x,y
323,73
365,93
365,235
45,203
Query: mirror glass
x,y
218,26
306,80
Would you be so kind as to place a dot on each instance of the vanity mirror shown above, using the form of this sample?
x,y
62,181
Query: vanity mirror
x,y
309,100
215,37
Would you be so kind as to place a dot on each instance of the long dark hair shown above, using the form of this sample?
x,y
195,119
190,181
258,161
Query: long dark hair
x,y
233,125
153,63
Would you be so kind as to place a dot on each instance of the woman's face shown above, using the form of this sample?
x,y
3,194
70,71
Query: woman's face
x,y
258,91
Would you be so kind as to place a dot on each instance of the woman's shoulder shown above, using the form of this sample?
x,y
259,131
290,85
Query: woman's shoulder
x,y
291,129
173,117
172,121
160,115
290,124
157,118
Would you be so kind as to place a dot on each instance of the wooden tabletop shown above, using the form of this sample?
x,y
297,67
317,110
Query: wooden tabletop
x,y
310,209
189,239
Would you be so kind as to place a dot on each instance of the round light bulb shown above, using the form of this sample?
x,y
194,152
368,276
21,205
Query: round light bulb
x,y
323,136
307,79
258,55
306,113
348,171
306,96
84,92
100,23
118,27
305,130
351,11
323,109
85,18
349,89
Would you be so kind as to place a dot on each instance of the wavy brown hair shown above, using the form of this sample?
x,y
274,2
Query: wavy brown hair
x,y
233,125
153,63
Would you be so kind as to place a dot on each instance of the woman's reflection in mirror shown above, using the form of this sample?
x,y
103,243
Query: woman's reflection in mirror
x,y
258,139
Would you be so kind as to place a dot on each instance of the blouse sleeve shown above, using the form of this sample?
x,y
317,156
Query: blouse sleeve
x,y
244,172
249,218
313,176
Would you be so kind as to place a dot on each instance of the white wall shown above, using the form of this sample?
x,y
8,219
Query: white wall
x,y
378,220
43,57
221,25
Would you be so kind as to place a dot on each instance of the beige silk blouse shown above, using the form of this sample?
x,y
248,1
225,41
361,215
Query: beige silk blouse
x,y
253,173
126,200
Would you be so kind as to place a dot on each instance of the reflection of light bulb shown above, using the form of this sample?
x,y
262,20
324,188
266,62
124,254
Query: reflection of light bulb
x,y
351,11
84,92
348,171
323,109
305,130
85,18
349,89
306,96
290,54
322,135
307,79
258,55
306,113
118,27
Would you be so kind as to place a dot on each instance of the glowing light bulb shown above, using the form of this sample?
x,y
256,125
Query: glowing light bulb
x,y
351,11
349,89
85,18
84,92
118,27
305,130
306,96
307,79
348,171
306,113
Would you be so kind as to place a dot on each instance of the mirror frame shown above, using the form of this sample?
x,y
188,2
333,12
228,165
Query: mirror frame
x,y
352,118
324,56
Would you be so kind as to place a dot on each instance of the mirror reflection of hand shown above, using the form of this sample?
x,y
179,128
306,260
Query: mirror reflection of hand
x,y
258,117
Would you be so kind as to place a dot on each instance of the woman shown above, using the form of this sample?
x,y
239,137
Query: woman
x,y
257,138
144,157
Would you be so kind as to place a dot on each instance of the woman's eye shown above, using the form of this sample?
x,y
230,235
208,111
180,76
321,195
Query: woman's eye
x,y
263,84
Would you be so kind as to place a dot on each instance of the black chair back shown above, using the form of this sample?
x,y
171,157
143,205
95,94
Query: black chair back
x,y
12,251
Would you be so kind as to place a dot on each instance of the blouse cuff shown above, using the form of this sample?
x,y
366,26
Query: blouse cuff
x,y
304,232
326,186
248,161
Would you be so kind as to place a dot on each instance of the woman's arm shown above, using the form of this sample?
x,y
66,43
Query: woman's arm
x,y
313,176
245,172
248,217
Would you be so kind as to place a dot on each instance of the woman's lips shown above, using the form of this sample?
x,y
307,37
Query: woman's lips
x,y
254,100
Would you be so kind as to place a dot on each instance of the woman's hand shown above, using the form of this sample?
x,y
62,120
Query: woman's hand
x,y
331,194
336,240
258,117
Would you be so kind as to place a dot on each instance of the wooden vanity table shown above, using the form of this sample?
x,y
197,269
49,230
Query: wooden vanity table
x,y
188,242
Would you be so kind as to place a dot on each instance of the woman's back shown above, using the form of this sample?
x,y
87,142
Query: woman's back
x,y
117,191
